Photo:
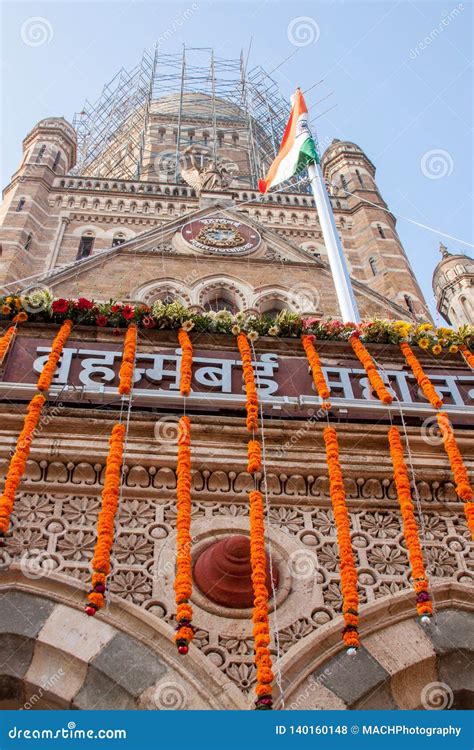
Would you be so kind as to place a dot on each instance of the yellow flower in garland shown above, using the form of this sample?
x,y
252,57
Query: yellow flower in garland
x,y
18,304
453,349
424,327
424,343
437,349
6,310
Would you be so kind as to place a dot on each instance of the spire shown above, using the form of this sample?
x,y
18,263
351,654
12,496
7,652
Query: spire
x,y
443,250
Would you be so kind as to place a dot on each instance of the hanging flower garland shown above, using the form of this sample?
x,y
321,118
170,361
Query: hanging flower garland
x,y
319,380
350,596
369,366
424,604
183,584
18,461
106,521
463,487
249,382
186,362
254,452
5,341
128,361
468,356
421,377
47,373
261,627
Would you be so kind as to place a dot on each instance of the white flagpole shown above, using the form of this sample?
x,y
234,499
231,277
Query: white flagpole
x,y
334,249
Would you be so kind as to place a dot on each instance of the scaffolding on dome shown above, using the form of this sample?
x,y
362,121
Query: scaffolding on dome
x,y
201,101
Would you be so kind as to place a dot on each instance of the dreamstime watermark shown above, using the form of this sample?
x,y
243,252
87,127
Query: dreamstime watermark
x,y
430,432
176,25
37,563
166,429
36,299
447,19
169,696
45,686
437,696
301,700
45,419
302,564
303,31
305,297
36,31
436,164
302,431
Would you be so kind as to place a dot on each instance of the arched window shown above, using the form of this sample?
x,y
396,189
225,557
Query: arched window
x,y
40,154
20,204
359,177
27,245
220,302
56,161
118,239
85,246
381,231
343,182
409,302
466,307
108,205
373,266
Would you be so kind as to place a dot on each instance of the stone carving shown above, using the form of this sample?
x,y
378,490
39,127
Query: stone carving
x,y
56,514
210,177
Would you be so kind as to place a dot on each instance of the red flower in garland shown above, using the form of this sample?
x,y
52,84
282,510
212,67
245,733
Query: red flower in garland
x,y
148,322
60,305
128,312
84,304
101,320
115,308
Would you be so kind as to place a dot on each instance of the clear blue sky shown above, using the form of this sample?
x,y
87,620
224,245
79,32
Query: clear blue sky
x,y
401,73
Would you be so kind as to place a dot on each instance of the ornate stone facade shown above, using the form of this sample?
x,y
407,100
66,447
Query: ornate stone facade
x,y
453,285
133,240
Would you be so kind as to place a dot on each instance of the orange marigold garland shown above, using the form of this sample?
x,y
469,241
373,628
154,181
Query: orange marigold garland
x,y
254,456
47,373
128,361
261,627
17,465
186,362
106,521
319,380
421,377
468,356
350,596
183,584
5,341
249,382
369,366
424,604
463,487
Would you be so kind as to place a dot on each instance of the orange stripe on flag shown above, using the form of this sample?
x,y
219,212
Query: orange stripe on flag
x,y
299,106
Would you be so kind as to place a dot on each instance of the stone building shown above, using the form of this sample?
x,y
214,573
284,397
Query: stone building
x,y
453,286
163,206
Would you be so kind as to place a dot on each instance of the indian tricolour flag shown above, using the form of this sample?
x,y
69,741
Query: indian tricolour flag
x,y
297,148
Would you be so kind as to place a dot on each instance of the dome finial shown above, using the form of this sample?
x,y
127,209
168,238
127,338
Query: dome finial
x,y
443,250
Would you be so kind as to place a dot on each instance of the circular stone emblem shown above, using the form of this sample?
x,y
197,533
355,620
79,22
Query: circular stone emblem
x,y
223,236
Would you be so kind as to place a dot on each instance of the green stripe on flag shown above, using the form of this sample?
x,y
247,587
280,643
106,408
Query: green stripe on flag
x,y
307,155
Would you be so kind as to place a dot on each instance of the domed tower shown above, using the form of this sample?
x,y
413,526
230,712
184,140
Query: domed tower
x,y
375,253
453,286
28,221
